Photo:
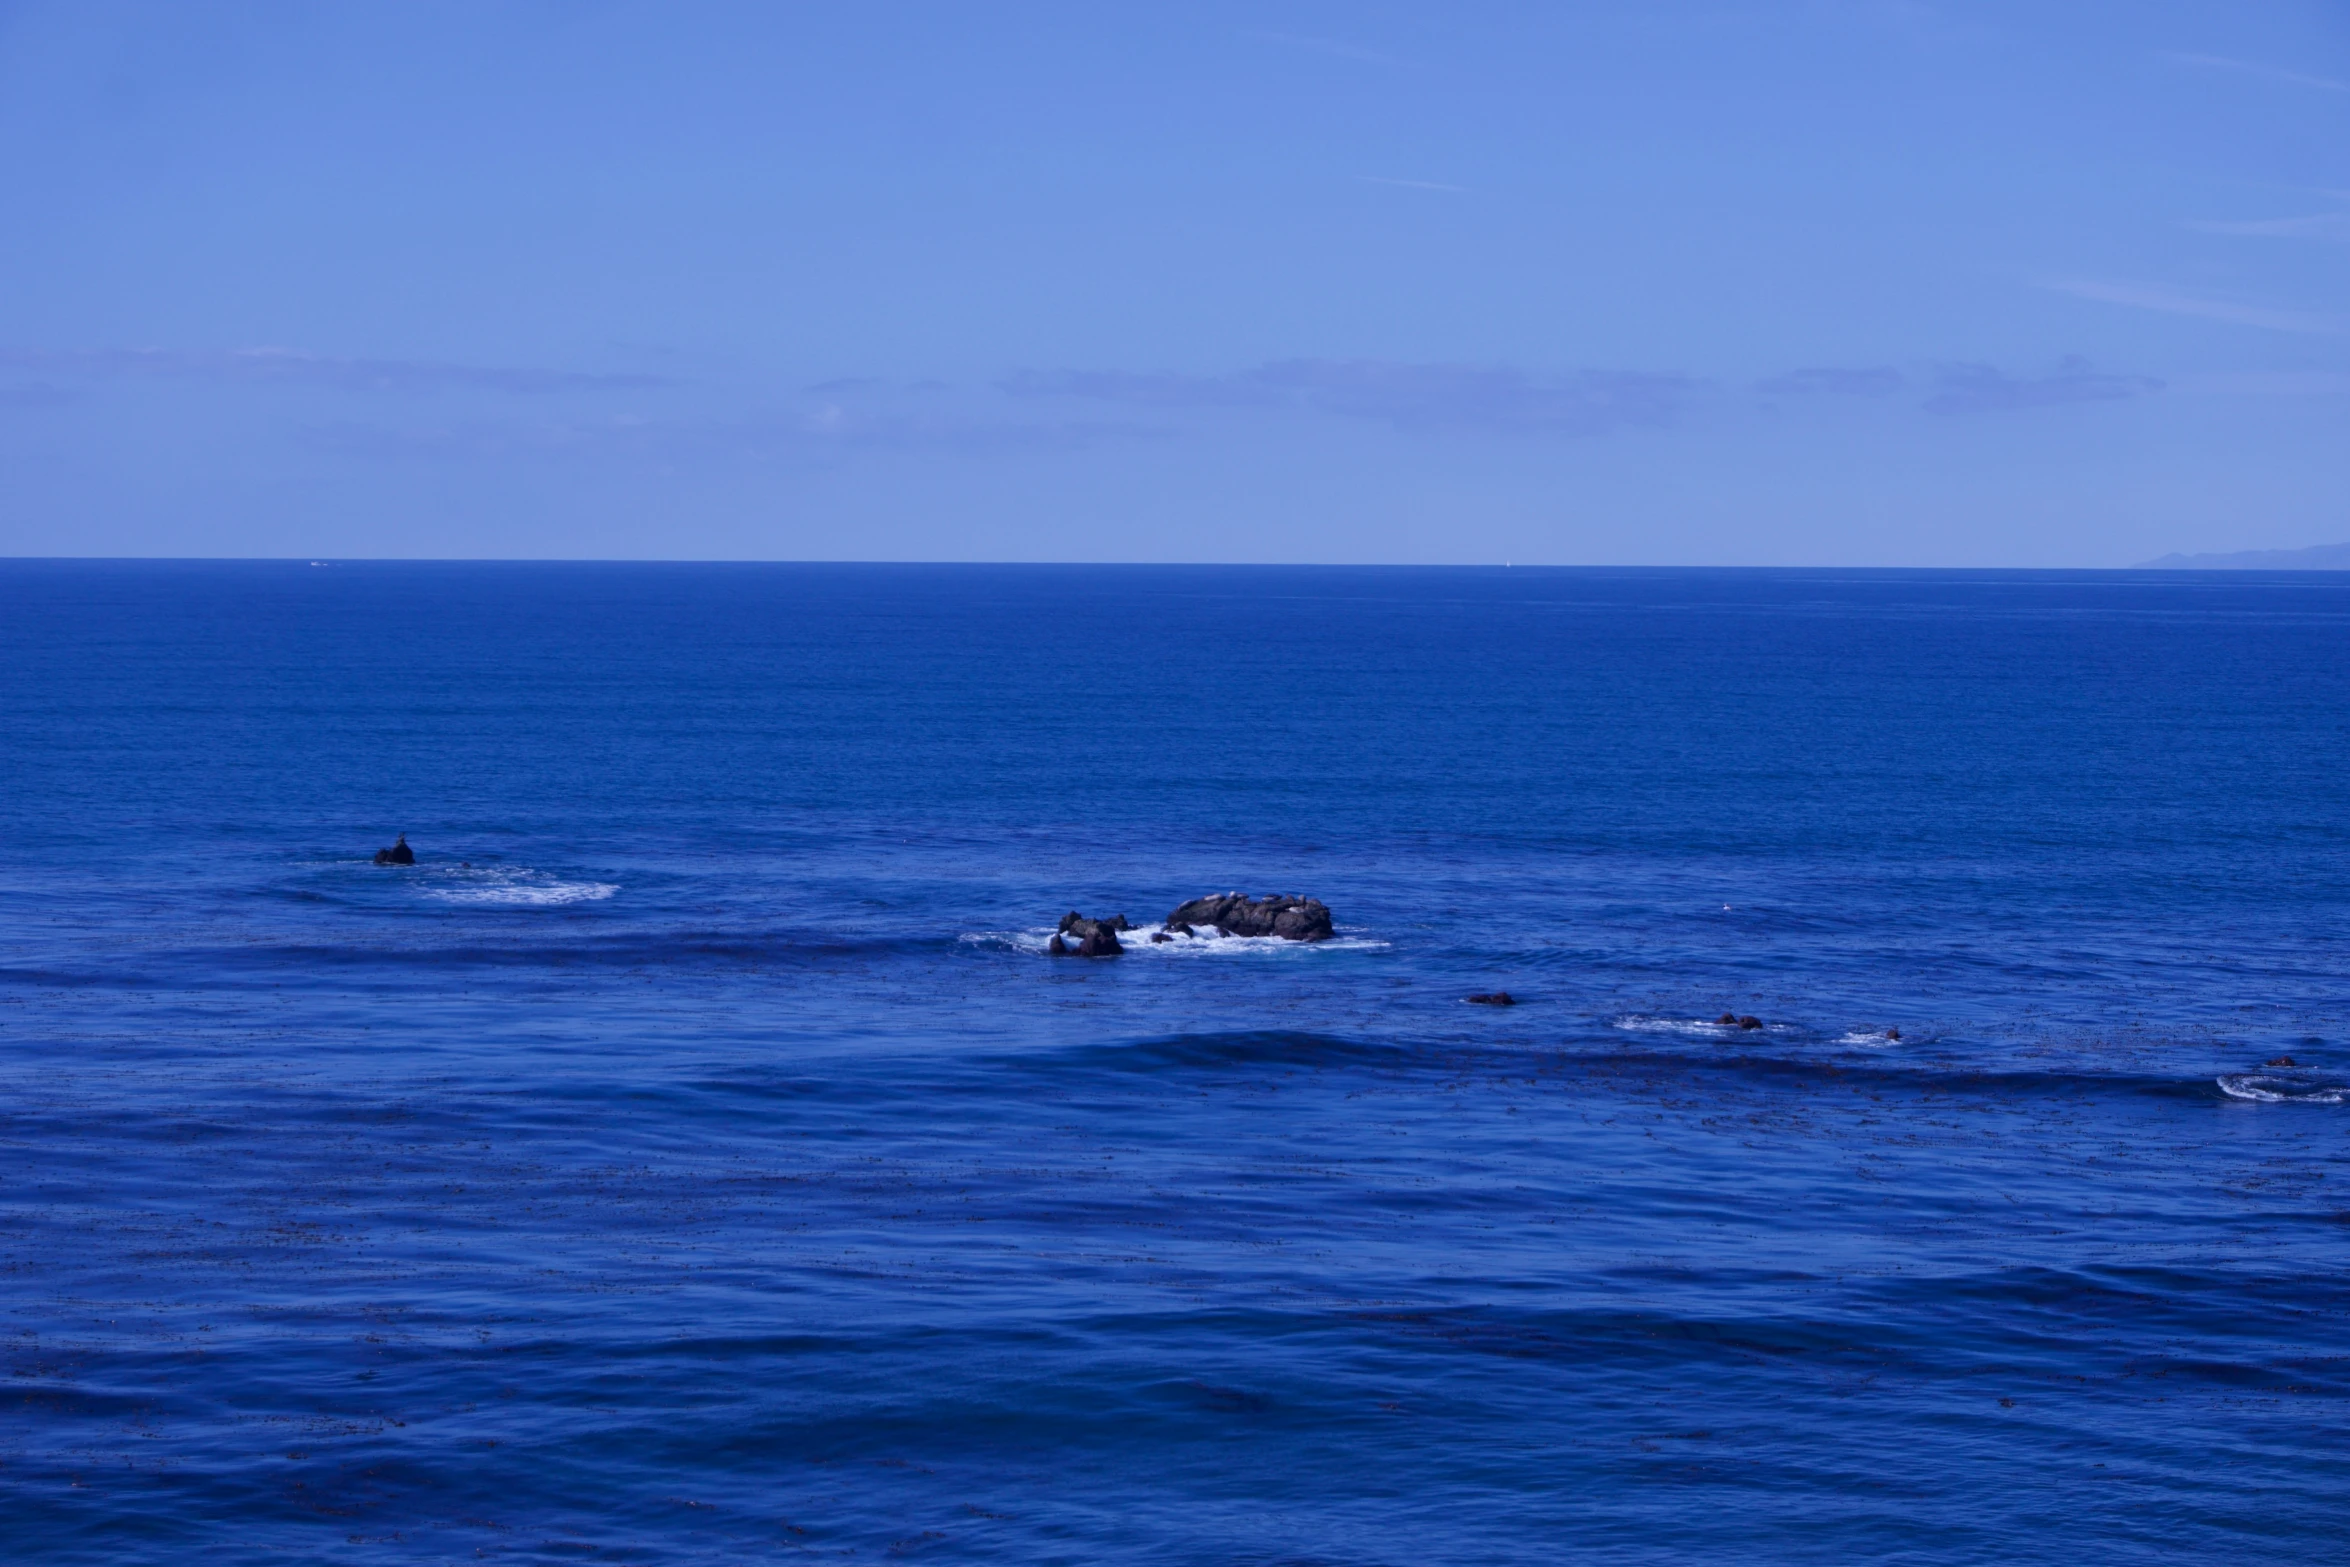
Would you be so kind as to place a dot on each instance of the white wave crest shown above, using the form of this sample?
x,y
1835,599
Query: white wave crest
x,y
514,887
1877,1039
2263,1088
1206,944
1673,1025
1701,1028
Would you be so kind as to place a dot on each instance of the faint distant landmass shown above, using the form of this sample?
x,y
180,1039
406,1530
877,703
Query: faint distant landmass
x,y
2318,557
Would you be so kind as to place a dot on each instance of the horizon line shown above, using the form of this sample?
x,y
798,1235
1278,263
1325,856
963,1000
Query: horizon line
x,y
2161,565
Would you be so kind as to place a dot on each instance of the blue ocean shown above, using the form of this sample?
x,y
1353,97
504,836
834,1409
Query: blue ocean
x,y
697,1155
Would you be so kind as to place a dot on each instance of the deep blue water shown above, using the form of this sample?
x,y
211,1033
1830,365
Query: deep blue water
x,y
693,1158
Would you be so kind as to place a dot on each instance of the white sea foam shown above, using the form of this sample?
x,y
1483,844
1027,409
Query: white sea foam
x,y
1701,1028
1206,944
514,887
1874,1040
1674,1025
2265,1088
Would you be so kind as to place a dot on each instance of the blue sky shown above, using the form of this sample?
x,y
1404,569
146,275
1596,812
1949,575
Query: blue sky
x,y
1846,282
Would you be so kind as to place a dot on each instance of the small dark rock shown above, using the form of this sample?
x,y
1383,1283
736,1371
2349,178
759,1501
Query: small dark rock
x,y
1750,1022
1726,1020
1100,942
1057,947
1893,1033
1293,919
1492,998
1158,936
2281,1061
398,854
1186,929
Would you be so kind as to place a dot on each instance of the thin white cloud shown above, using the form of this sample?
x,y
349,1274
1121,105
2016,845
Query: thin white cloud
x,y
2274,73
299,367
1407,396
2266,383
1974,389
812,432
2155,296
1381,179
1329,46
1835,381
2317,225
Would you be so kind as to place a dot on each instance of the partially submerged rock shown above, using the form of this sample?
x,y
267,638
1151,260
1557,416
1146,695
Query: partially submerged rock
x,y
1733,1020
1076,924
1292,919
398,854
1492,998
1095,938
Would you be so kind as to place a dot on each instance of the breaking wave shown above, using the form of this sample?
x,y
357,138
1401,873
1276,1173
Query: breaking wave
x,y
515,887
2272,1088
1695,1027
1206,944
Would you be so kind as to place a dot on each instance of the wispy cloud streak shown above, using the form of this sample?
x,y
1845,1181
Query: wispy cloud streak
x,y
818,432
1830,381
1406,396
1974,389
1337,48
2317,225
292,366
36,394
2274,73
2154,296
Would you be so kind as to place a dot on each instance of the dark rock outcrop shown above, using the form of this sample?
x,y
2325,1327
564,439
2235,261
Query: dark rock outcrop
x,y
398,854
1492,998
1076,924
1095,938
1733,1020
1294,919
2281,1061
